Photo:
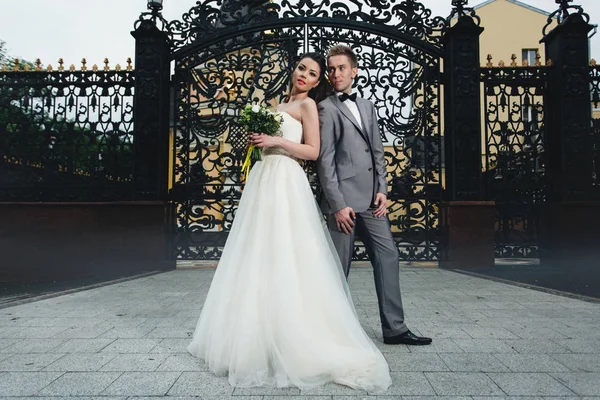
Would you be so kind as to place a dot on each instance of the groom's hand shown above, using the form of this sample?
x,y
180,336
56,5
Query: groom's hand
x,y
345,219
381,204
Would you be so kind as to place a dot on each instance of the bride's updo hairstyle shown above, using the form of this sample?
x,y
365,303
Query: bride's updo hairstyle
x,y
323,89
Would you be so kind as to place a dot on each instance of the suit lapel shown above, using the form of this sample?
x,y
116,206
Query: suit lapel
x,y
365,117
348,114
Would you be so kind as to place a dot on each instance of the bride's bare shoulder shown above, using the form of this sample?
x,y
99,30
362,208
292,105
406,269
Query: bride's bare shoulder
x,y
309,104
309,100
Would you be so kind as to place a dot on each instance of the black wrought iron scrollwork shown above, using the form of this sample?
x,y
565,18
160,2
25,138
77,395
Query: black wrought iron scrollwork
x,y
66,135
215,79
595,96
210,16
562,13
154,16
206,18
460,9
514,164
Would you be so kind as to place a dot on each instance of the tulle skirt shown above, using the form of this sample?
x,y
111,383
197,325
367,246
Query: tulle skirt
x,y
278,312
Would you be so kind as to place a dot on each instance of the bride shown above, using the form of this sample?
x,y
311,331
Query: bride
x,y
278,311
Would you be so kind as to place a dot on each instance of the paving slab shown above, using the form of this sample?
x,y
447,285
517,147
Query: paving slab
x,y
530,384
127,340
80,384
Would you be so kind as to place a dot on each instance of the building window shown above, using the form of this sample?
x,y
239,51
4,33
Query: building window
x,y
530,117
529,55
526,115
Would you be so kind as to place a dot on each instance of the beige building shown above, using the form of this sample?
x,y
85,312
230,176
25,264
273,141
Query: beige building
x,y
511,27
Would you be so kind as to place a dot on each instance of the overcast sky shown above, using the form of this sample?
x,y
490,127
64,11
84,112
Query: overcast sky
x,y
95,29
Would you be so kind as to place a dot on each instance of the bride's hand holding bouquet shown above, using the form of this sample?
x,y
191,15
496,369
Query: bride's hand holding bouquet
x,y
262,125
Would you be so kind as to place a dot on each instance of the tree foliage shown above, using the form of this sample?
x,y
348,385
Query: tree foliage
x,y
9,60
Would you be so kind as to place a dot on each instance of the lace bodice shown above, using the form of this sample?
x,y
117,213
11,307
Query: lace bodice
x,y
291,129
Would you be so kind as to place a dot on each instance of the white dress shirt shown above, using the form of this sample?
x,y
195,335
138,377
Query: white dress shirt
x,y
353,109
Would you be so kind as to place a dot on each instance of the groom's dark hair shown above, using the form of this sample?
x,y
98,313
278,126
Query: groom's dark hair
x,y
341,50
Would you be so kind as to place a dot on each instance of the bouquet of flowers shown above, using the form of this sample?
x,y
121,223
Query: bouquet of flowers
x,y
258,119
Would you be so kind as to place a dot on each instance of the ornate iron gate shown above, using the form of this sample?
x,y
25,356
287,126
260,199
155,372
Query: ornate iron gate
x,y
514,154
66,135
595,96
227,55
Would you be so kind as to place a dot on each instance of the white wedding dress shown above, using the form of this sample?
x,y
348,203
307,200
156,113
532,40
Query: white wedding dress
x,y
278,312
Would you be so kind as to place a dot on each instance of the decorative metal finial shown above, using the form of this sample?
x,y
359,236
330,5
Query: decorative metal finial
x,y
154,14
565,10
155,6
459,6
564,7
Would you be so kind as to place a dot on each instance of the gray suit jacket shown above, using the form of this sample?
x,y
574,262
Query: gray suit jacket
x,y
351,164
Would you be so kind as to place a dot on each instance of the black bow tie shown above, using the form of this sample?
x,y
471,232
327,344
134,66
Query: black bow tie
x,y
346,96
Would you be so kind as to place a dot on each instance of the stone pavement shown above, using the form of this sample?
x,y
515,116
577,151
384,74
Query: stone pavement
x,y
127,341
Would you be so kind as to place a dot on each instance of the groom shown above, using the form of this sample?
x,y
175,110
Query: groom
x,y
353,179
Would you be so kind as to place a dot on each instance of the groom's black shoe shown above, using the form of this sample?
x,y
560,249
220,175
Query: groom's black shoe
x,y
407,338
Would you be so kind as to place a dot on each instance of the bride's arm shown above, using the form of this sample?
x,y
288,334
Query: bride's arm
x,y
309,150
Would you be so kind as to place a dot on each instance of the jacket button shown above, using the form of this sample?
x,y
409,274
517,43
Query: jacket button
x,y
366,150
370,169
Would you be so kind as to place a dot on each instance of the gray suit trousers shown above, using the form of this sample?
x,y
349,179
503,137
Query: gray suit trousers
x,y
383,254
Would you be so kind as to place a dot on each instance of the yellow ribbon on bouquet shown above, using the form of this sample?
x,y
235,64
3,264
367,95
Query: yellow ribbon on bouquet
x,y
247,161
